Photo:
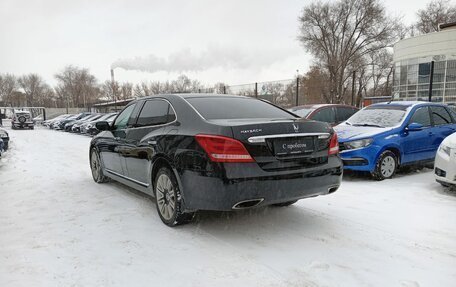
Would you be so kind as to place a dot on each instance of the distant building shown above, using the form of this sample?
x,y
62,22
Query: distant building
x,y
425,66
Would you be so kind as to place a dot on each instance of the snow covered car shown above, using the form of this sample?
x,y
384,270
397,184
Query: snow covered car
x,y
445,162
60,125
5,138
49,123
89,127
76,127
22,119
381,137
215,152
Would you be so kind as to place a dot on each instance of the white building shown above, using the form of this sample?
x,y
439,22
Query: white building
x,y
425,66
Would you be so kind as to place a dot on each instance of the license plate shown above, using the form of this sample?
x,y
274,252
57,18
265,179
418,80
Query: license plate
x,y
293,146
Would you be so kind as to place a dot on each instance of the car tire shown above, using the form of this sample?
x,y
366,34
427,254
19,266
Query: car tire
x,y
386,166
283,204
169,199
96,168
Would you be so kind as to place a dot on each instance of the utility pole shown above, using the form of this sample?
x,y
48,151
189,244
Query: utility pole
x,y
297,90
431,80
353,88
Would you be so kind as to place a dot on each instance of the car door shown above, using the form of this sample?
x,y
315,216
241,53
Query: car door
x,y
417,145
114,140
443,126
144,140
325,114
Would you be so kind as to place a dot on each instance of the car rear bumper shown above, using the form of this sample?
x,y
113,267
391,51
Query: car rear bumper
x,y
26,124
222,190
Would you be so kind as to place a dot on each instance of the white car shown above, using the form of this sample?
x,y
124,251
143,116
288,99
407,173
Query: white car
x,y
445,162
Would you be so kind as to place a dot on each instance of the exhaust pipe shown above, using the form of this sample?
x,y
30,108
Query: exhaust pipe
x,y
333,189
248,203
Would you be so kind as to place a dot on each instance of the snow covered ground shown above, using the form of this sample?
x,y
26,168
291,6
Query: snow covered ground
x,y
59,228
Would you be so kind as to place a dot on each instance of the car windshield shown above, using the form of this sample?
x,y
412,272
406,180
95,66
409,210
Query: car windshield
x,y
217,108
378,116
303,112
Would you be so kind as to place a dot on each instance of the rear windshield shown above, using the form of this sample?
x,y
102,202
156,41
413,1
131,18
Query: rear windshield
x,y
304,112
380,116
217,108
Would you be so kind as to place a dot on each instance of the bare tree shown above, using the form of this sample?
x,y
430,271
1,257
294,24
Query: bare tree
x,y
111,90
34,88
79,85
436,12
339,33
126,90
8,84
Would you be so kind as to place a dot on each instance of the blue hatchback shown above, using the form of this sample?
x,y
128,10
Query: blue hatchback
x,y
382,137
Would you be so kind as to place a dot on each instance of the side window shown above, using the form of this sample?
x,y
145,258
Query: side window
x,y
324,115
453,113
440,116
134,114
421,116
344,113
124,116
156,112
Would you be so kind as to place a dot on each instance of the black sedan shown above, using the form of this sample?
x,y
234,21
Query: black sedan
x,y
215,152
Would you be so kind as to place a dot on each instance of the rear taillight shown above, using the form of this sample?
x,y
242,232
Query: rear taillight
x,y
333,145
223,149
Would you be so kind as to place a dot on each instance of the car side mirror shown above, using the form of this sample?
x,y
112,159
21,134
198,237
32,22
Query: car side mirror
x,y
414,127
103,126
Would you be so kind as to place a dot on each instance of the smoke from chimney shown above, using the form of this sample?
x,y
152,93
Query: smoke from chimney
x,y
213,57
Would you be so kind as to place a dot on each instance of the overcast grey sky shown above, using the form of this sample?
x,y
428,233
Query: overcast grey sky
x,y
233,41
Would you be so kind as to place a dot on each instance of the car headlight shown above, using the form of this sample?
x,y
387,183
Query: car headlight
x,y
358,143
445,149
89,126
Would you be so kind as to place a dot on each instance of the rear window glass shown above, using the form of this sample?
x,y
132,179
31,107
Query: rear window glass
x,y
324,115
217,108
302,112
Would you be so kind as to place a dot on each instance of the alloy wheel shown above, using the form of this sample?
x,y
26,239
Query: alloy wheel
x,y
388,166
166,198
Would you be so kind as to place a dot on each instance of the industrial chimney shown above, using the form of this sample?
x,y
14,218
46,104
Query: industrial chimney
x,y
112,75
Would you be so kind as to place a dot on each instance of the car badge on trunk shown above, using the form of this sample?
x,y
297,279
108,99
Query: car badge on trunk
x,y
296,127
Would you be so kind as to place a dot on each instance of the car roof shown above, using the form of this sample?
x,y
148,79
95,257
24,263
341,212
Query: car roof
x,y
192,95
317,106
407,104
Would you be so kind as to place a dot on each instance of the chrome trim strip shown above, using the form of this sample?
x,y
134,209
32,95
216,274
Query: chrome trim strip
x,y
259,200
196,111
262,139
127,178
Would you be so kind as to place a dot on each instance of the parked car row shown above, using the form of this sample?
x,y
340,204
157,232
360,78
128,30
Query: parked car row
x,y
384,137
218,152
83,123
